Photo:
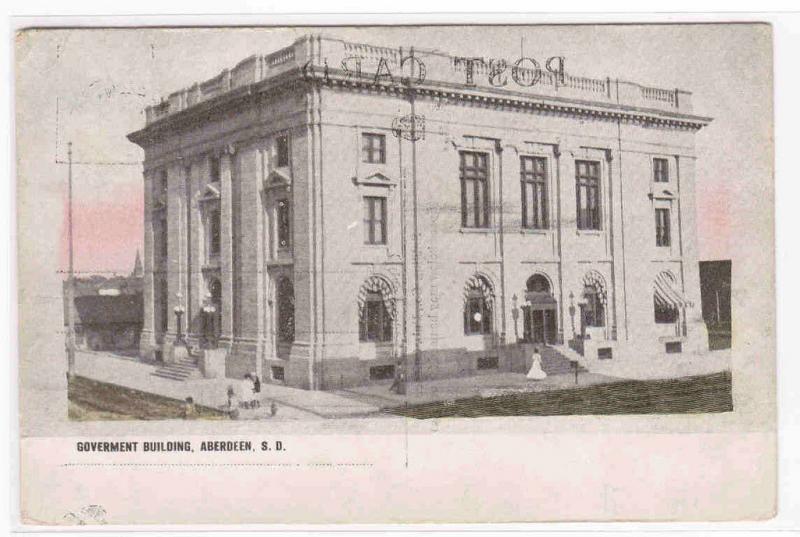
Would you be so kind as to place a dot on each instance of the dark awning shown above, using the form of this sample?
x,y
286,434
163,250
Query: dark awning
x,y
665,294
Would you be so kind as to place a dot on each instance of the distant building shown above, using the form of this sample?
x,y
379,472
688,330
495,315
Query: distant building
x,y
108,312
715,290
340,223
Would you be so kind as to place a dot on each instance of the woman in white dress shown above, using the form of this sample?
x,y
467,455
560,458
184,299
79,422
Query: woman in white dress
x,y
536,372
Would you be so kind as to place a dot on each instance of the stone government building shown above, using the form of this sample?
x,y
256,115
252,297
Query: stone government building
x,y
327,227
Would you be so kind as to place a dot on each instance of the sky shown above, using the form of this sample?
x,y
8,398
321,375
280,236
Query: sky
x,y
91,87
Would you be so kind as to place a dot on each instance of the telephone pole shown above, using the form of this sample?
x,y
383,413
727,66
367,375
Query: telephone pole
x,y
70,276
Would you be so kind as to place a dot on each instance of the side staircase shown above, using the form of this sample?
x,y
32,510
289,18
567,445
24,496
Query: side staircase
x,y
557,360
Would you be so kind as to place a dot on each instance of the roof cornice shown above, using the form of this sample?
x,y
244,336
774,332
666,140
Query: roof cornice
x,y
499,98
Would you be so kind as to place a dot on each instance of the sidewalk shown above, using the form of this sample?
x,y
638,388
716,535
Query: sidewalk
x,y
293,403
484,385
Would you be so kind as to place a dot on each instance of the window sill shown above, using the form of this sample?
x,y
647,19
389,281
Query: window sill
x,y
477,230
590,232
535,231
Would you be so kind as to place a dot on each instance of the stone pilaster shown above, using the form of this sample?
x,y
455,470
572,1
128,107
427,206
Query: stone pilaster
x,y
226,253
147,340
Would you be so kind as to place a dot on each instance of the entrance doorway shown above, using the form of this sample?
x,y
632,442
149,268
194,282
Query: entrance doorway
x,y
540,325
540,311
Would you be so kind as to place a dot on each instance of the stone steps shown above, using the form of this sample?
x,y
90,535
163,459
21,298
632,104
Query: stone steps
x,y
181,370
555,363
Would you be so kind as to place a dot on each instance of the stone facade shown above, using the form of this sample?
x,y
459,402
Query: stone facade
x,y
296,285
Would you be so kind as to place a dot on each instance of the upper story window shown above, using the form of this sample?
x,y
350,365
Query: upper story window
x,y
373,148
284,221
587,189
214,169
660,170
161,246
160,187
282,151
662,227
374,220
213,233
533,175
474,172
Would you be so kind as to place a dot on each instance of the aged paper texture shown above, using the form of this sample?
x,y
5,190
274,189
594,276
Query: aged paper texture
x,y
395,274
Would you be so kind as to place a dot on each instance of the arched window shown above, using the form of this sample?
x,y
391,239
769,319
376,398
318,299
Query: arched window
x,y
285,317
478,297
375,311
594,294
666,299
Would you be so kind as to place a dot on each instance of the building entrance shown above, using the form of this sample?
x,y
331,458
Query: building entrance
x,y
540,311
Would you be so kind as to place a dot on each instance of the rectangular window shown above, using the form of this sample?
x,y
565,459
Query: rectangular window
x,y
587,189
214,170
662,227
282,151
533,174
660,170
284,224
278,373
373,148
374,220
488,362
474,189
605,353
381,372
161,189
214,233
673,347
162,297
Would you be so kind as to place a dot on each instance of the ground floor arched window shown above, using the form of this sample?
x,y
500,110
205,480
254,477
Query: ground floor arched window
x,y
594,295
666,299
285,310
375,311
478,306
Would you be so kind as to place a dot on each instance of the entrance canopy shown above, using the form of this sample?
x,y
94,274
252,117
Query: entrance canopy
x,y
666,295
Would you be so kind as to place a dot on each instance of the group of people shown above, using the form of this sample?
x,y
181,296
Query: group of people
x,y
243,395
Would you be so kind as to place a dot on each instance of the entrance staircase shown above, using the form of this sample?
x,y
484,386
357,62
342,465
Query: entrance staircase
x,y
557,360
181,370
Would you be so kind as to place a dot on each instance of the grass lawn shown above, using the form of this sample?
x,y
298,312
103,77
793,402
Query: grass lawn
x,y
90,400
707,393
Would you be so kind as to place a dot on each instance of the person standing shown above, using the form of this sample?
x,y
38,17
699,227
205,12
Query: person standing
x,y
536,372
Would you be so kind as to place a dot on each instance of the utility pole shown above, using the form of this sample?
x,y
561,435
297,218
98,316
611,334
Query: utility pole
x,y
70,277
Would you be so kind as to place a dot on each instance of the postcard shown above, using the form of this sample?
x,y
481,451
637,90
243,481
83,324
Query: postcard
x,y
395,274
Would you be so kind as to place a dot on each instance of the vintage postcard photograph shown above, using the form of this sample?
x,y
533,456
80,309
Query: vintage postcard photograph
x,y
512,264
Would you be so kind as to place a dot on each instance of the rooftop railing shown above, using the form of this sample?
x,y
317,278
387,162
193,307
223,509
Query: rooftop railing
x,y
444,69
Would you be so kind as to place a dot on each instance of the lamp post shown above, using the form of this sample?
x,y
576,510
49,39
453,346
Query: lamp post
x,y
70,277
515,315
179,311
209,313
572,312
